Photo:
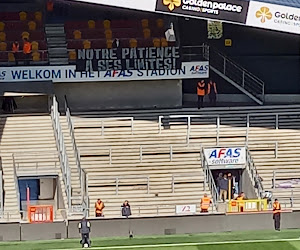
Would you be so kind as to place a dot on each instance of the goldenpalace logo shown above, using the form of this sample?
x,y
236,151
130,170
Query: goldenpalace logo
x,y
264,13
172,4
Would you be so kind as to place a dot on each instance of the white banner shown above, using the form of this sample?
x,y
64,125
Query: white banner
x,y
225,156
275,17
186,209
68,74
145,5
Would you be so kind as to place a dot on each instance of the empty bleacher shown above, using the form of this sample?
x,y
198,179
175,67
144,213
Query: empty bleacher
x,y
28,144
113,151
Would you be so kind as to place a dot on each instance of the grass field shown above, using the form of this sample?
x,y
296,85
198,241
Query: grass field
x,y
252,240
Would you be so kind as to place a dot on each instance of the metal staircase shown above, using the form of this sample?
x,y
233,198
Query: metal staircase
x,y
57,45
236,75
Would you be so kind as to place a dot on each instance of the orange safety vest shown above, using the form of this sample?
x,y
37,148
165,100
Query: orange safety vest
x,y
205,202
240,198
99,207
276,208
27,48
213,85
201,89
15,47
50,6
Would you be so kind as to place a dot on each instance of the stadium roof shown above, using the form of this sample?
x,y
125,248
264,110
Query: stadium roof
x,y
291,3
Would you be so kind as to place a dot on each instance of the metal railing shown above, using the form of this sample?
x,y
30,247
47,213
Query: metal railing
x,y
291,177
116,180
240,77
254,177
195,53
1,190
245,121
34,165
142,150
209,180
82,174
17,186
63,158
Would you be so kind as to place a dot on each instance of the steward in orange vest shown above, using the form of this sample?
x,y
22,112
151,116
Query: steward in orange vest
x,y
205,203
99,206
276,214
200,93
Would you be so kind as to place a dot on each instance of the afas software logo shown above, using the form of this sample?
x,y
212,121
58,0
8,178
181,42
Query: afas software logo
x,y
263,14
199,69
172,4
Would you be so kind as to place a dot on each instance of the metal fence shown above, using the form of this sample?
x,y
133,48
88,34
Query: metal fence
x,y
63,158
81,172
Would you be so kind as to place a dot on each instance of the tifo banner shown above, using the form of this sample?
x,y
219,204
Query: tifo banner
x,y
275,17
68,73
230,10
164,58
225,156
214,29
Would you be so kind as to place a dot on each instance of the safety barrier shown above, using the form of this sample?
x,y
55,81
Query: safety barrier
x,y
82,174
1,191
40,214
236,206
209,180
63,158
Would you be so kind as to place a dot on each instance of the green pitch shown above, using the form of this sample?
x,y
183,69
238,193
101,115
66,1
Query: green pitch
x,y
251,240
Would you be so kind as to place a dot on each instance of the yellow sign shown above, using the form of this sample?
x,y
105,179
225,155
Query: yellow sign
x,y
264,13
228,42
172,4
236,206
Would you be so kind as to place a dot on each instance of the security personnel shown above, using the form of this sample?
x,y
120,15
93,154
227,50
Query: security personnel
x,y
205,203
240,198
99,206
200,93
26,50
84,227
276,214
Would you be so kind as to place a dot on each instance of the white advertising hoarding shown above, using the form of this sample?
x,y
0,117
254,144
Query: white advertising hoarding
x,y
189,70
186,209
275,17
225,156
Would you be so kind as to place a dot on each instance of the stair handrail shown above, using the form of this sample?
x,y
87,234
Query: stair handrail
x,y
1,190
81,171
16,183
210,179
63,157
236,64
255,178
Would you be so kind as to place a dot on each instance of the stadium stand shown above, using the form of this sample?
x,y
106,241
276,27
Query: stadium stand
x,y
28,148
14,26
146,153
99,34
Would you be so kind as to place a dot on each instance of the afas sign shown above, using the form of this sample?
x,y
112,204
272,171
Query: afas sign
x,y
225,156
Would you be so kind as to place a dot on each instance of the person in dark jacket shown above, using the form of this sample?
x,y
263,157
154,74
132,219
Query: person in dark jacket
x,y
219,178
224,188
84,227
126,211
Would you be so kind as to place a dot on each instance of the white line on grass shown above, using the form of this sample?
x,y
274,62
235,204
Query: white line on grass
x,y
185,244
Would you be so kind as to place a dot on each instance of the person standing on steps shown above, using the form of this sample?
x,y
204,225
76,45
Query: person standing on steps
x,y
212,93
200,93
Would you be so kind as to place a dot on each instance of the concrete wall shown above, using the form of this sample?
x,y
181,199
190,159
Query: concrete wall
x,y
148,226
120,95
247,187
